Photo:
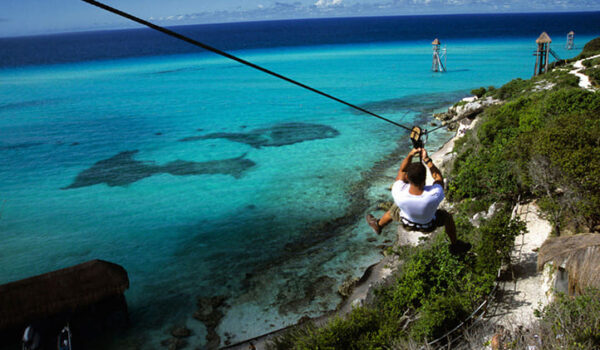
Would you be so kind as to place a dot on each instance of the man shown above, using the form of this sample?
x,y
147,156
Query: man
x,y
416,205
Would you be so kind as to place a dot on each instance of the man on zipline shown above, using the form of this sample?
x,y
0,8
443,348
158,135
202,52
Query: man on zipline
x,y
416,205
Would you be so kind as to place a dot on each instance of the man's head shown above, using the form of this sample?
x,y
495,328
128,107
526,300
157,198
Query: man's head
x,y
416,174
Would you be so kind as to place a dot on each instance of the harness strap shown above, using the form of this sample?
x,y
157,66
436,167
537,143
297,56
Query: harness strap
x,y
416,225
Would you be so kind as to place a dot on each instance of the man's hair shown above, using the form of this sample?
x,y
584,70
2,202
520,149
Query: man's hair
x,y
416,173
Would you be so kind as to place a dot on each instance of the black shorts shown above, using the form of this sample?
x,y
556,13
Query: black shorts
x,y
439,220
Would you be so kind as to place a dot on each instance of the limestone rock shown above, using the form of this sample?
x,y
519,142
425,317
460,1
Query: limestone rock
x,y
479,217
210,312
469,107
358,302
346,288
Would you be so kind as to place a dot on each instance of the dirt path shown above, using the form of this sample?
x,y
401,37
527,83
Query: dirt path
x,y
518,298
584,80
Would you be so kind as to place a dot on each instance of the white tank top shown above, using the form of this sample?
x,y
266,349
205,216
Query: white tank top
x,y
418,209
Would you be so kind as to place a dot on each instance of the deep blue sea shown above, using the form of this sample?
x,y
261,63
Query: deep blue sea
x,y
203,177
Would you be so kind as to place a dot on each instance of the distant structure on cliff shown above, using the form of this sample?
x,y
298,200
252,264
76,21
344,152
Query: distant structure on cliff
x,y
438,54
542,54
570,41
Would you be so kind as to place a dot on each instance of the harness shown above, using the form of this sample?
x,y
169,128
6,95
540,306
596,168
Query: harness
x,y
415,226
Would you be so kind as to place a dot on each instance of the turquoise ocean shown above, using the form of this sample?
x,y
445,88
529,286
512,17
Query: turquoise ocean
x,y
206,178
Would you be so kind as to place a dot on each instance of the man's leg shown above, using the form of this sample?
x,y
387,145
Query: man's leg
x,y
389,216
385,219
449,225
456,246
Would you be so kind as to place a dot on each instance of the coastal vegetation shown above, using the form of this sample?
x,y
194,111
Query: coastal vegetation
x,y
541,143
566,323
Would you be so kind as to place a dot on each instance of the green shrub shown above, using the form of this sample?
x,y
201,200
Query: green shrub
x,y
486,174
574,322
561,101
440,315
359,330
497,236
494,161
591,63
594,74
471,206
512,88
591,48
572,145
459,103
478,92
428,272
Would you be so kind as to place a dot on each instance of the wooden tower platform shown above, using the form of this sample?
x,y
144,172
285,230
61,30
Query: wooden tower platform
x,y
570,41
541,54
439,54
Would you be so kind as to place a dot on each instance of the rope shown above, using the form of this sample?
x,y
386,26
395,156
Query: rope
x,y
237,59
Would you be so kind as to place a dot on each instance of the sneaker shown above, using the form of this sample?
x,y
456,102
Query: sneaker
x,y
373,222
460,247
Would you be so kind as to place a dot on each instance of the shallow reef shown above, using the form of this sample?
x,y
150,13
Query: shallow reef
x,y
419,103
122,169
276,136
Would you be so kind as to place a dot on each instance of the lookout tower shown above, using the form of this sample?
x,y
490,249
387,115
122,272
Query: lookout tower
x,y
570,41
439,54
541,54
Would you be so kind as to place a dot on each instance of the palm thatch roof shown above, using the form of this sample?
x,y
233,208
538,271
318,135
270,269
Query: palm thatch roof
x,y
436,42
543,39
580,255
66,290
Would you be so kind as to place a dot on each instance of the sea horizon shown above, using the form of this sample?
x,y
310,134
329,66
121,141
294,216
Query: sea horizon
x,y
136,27
216,32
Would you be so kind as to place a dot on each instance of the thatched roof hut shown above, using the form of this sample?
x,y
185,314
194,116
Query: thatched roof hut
x,y
579,255
543,39
61,291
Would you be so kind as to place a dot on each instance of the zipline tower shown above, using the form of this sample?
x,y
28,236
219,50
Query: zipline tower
x,y
438,55
541,55
570,41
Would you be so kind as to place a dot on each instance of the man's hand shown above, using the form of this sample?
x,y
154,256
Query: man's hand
x,y
402,172
415,151
423,153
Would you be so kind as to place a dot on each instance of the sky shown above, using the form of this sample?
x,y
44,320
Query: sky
x,y
32,17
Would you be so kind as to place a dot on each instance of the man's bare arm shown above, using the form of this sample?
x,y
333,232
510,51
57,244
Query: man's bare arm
x,y
402,172
436,174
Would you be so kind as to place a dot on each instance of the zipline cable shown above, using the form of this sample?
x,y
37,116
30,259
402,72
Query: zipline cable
x,y
237,59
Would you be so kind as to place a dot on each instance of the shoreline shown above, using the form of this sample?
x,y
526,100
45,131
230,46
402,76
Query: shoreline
x,y
379,273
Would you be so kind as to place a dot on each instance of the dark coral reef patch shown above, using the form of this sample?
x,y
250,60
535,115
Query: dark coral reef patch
x,y
122,169
276,136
